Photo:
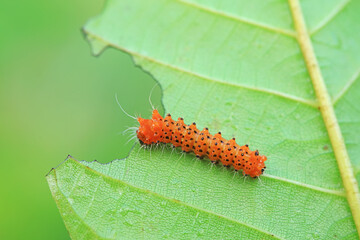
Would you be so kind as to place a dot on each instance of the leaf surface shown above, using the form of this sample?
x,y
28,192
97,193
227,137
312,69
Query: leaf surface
x,y
235,67
111,208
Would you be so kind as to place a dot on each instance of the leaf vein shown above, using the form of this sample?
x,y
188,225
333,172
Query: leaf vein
x,y
347,86
58,191
145,191
308,102
329,17
308,186
239,19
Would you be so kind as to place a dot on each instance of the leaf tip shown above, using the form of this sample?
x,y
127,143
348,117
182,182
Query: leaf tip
x,y
97,45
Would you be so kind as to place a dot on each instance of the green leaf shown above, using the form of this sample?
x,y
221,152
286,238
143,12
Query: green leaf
x,y
116,209
244,69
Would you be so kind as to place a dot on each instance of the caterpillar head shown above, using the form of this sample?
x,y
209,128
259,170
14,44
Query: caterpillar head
x,y
144,132
149,131
256,165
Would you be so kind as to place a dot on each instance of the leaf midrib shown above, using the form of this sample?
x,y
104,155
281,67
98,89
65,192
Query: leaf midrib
x,y
327,112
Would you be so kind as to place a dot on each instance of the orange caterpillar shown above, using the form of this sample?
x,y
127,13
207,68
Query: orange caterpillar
x,y
202,143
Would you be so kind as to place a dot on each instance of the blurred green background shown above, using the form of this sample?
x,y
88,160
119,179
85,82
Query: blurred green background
x,y
57,99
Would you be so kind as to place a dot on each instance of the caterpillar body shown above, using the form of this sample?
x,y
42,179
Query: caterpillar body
x,y
202,143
